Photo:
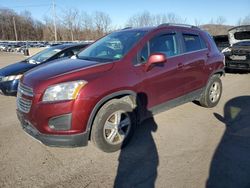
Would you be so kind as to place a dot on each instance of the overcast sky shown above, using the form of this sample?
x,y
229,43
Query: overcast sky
x,y
120,11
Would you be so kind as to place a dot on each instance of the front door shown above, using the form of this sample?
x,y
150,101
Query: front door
x,y
164,81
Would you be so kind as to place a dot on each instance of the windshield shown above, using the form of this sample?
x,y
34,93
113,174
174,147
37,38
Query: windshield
x,y
112,47
43,55
243,35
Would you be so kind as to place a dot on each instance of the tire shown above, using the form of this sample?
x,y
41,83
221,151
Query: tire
x,y
212,93
113,126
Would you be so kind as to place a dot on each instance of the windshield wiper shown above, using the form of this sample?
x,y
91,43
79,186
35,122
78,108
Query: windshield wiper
x,y
32,61
86,58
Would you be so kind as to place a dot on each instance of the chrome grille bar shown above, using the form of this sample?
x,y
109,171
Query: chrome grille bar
x,y
24,104
25,90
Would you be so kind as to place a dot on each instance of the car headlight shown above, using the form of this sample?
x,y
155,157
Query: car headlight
x,y
63,91
10,78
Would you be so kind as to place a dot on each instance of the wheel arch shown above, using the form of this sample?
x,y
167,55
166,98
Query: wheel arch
x,y
128,95
220,72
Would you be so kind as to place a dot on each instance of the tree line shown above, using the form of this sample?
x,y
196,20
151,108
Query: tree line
x,y
71,25
74,25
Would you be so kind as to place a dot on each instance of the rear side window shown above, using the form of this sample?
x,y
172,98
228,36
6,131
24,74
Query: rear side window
x,y
193,42
203,43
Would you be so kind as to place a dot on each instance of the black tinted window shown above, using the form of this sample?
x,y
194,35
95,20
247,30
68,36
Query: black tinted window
x,y
67,53
192,42
165,43
242,35
78,49
203,43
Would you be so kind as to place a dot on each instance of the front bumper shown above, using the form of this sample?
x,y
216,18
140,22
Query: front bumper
x,y
9,88
238,65
72,140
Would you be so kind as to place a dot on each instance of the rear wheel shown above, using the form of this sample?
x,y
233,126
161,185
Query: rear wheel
x,y
113,125
212,93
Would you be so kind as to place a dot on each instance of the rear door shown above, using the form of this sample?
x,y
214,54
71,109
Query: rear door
x,y
195,57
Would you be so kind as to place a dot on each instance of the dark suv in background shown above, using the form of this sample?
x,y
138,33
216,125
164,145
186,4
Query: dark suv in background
x,y
117,82
238,53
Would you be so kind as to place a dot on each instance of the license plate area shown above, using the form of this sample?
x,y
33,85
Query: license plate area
x,y
26,125
20,117
238,57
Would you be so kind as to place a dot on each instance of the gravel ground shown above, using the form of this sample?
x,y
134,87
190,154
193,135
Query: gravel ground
x,y
187,146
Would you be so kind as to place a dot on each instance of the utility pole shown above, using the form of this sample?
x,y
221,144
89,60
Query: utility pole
x,y
14,23
54,16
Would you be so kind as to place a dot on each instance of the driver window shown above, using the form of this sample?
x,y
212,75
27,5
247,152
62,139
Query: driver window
x,y
166,43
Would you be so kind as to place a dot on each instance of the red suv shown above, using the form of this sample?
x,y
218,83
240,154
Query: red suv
x,y
104,91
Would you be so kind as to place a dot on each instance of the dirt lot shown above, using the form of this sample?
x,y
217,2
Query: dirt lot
x,y
176,149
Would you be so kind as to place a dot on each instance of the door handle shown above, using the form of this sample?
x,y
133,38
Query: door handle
x,y
180,65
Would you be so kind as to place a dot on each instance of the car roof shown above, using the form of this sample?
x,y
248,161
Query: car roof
x,y
162,26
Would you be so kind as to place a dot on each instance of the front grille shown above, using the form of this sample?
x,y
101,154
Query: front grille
x,y
23,104
25,90
239,52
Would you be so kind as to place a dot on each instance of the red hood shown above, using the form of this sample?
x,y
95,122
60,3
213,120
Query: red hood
x,y
62,71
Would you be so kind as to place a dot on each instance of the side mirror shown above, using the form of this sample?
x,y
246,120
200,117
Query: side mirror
x,y
155,58
73,57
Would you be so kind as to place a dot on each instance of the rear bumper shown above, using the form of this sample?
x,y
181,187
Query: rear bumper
x,y
72,140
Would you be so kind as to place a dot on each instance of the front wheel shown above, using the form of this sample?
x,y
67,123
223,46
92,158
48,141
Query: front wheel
x,y
113,125
212,93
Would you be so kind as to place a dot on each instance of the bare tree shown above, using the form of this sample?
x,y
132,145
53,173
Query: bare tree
x,y
140,20
6,17
220,20
22,25
146,19
48,29
197,22
71,20
87,26
173,18
211,21
159,19
102,23
244,21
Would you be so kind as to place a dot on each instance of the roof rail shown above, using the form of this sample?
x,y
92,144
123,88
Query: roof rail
x,y
126,28
177,24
